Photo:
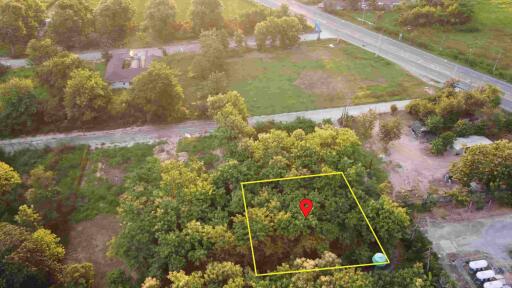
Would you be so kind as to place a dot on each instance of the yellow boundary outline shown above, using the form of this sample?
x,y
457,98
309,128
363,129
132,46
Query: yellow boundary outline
x,y
316,269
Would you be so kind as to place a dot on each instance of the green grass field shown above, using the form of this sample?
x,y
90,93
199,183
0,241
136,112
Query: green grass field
x,y
481,44
89,181
313,76
317,76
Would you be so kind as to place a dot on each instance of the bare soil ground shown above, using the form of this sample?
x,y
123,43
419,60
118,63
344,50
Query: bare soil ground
x,y
88,242
324,83
411,166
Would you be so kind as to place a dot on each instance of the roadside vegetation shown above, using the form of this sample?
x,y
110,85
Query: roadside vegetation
x,y
480,40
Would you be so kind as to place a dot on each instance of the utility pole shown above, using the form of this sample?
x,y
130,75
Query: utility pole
x,y
496,63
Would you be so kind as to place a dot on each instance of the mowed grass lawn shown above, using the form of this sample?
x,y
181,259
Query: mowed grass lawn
x,y
317,76
312,76
485,41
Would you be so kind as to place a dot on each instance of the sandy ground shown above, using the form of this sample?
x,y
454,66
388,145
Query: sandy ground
x,y
411,165
88,243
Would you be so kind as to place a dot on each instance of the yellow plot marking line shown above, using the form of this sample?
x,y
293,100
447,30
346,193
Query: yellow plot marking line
x,y
316,269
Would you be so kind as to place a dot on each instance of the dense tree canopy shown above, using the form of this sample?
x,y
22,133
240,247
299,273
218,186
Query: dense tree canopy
x,y
20,21
212,59
158,93
71,23
159,18
113,21
86,96
179,217
490,165
18,106
442,12
284,32
41,50
206,15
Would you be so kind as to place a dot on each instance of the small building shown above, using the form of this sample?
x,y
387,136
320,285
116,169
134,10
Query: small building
x,y
463,143
124,66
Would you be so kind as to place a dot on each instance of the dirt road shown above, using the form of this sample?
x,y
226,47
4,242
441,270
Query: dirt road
x,y
172,132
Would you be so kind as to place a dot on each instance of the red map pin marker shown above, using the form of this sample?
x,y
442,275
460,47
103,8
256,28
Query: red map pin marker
x,y
306,205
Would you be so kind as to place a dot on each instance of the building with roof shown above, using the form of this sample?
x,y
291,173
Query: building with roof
x,y
463,143
126,65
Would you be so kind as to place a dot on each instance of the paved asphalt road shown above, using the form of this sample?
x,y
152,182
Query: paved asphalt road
x,y
173,132
424,65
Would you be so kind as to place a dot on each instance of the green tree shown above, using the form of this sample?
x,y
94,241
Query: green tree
x,y
159,94
28,218
159,19
283,31
54,75
8,179
389,131
86,96
40,252
72,22
388,219
18,106
435,123
20,21
212,59
206,15
113,20
365,123
490,165
78,275
41,50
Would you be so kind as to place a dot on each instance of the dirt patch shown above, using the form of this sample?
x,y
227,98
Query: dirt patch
x,y
324,83
412,169
113,175
88,242
167,150
308,53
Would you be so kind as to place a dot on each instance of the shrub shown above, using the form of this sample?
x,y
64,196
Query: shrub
x,y
442,143
393,109
435,123
4,69
117,278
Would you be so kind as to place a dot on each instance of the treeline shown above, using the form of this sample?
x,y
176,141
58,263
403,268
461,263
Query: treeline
x,y
75,24
436,12
78,97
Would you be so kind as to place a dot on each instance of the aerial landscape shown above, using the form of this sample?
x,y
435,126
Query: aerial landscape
x,y
256,143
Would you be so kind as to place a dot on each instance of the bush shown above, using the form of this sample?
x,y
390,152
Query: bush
x,y
435,124
393,109
4,69
442,143
305,124
117,278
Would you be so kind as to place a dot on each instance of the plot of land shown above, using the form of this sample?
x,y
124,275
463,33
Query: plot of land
x,y
484,42
411,166
315,75
88,242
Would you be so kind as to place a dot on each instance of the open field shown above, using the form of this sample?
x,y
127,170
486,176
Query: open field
x,y
312,76
481,44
